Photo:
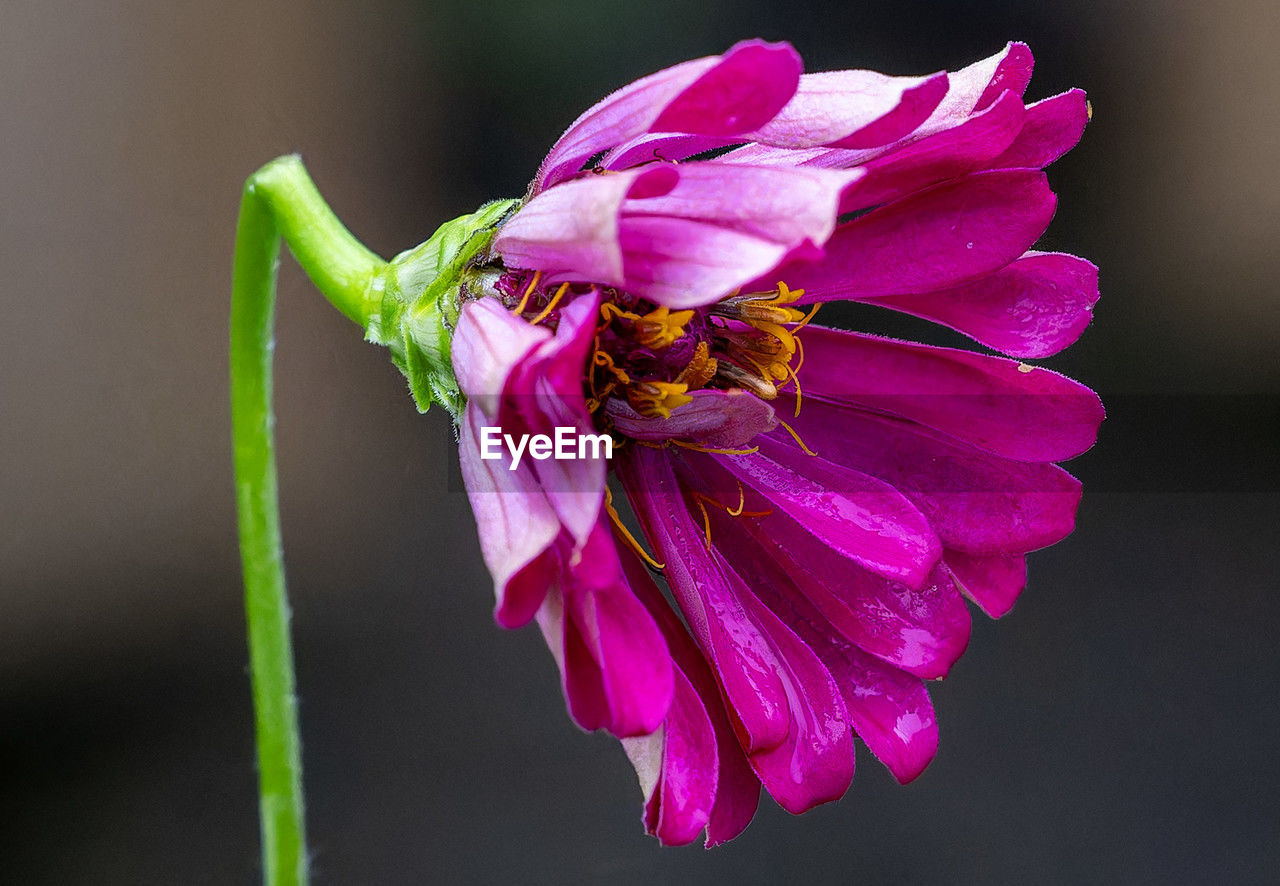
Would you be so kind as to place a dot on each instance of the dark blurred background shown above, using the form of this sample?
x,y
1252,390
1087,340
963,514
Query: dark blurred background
x,y
1119,725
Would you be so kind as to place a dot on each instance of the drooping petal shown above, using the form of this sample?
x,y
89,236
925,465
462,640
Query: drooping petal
x,y
570,232
815,763
857,516
975,501
694,777
941,237
716,419
742,657
616,667
518,527
889,709
993,581
1009,408
1032,308
719,95
923,630
853,109
1053,127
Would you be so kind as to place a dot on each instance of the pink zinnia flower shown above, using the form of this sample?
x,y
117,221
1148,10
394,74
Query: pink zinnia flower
x,y
819,502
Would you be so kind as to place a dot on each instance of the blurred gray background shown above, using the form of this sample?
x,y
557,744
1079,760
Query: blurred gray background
x,y
1119,725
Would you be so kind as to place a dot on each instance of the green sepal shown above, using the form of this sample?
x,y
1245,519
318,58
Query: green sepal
x,y
420,302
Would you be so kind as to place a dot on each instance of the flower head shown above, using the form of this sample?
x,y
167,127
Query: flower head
x,y
818,502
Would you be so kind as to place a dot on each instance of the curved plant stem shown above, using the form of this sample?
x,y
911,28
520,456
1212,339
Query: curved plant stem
x,y
279,200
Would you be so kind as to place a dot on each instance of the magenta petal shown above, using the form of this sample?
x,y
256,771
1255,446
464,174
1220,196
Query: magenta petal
x,y
516,524
853,109
940,237
974,500
617,670
571,231
1053,127
736,788
1009,408
716,419
974,88
1032,308
752,82
993,581
726,95
742,657
815,763
951,153
682,263
677,768
889,709
785,206
857,516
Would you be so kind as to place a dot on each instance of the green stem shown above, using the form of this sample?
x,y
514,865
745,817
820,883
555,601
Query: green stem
x,y
279,200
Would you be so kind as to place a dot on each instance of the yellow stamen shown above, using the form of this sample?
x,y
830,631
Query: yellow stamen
x,y
796,437
660,328
786,295
658,398
706,518
551,305
609,311
524,299
807,317
799,393
626,533
684,444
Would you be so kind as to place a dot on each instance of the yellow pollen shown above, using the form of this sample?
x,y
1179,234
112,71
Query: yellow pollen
x,y
551,305
626,533
659,328
796,437
528,291
657,398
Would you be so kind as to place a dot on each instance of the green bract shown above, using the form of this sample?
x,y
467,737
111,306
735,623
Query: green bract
x,y
419,305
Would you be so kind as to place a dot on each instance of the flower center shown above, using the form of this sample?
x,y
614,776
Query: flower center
x,y
653,357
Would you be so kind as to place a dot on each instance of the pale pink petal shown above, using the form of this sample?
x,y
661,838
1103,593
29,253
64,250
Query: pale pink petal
x,y
518,527
716,419
786,206
853,109
951,153
488,342
682,263
571,231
